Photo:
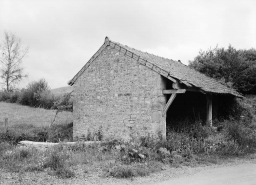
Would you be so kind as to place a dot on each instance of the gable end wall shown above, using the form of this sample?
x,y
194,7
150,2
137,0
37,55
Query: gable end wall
x,y
119,96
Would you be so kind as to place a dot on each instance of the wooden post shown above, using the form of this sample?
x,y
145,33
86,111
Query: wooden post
x,y
6,124
164,130
163,125
209,110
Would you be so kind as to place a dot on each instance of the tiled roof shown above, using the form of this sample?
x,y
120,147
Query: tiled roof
x,y
175,69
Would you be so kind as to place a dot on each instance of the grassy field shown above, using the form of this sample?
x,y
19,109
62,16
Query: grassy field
x,y
18,114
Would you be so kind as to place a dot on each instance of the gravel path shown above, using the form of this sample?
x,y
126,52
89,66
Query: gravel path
x,y
241,174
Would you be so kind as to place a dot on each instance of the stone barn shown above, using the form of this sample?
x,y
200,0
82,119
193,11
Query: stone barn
x,y
122,91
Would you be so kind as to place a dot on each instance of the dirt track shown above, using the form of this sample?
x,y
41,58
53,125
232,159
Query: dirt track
x,y
241,174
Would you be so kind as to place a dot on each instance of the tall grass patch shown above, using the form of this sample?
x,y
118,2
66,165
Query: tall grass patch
x,y
56,133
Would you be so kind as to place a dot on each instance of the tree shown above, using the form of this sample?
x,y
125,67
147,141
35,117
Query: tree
x,y
234,68
37,94
11,57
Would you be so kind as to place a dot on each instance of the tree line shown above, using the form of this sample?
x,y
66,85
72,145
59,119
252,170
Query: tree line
x,y
232,67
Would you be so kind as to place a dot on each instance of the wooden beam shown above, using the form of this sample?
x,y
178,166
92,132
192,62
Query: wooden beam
x,y
174,91
177,91
171,78
209,110
169,103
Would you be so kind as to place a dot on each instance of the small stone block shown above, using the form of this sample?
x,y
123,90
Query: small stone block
x,y
149,65
128,53
123,50
141,61
117,47
135,57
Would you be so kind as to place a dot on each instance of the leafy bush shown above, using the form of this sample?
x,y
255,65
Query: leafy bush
x,y
4,96
243,135
64,102
37,94
46,99
234,68
229,147
14,96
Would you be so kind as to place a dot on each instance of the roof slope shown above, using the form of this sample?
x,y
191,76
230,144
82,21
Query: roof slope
x,y
175,69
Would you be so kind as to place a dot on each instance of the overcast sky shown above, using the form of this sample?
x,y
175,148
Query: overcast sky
x,y
62,35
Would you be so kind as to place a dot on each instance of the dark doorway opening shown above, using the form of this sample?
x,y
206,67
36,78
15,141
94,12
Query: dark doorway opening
x,y
189,107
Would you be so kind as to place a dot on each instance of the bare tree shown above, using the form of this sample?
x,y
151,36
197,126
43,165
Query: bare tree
x,y
11,57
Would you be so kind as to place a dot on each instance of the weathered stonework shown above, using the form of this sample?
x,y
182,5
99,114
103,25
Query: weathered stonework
x,y
118,95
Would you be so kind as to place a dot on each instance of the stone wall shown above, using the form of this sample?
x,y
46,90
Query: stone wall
x,y
117,95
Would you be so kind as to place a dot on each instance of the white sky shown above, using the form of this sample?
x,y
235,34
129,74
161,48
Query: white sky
x,y
62,35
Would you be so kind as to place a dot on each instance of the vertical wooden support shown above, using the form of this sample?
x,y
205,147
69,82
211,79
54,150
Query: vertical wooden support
x,y
165,111
209,110
164,130
163,125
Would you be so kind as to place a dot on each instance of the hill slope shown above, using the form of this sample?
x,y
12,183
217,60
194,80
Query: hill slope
x,y
18,114
62,90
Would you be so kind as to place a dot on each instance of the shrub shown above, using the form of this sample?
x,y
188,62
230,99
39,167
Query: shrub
x,y
18,154
14,96
243,135
46,99
224,65
134,170
64,102
4,96
19,133
229,147
37,94
55,161
63,132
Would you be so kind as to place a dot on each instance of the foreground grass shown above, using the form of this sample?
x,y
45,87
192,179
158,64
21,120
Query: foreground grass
x,y
123,159
18,114
195,145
